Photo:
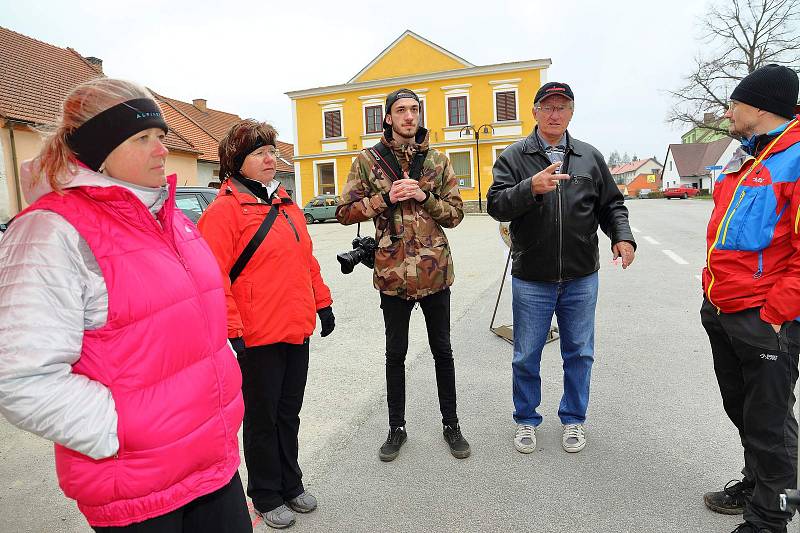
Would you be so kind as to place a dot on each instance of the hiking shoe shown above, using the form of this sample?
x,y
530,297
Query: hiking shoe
x,y
525,438
391,448
573,439
279,518
459,446
732,499
305,503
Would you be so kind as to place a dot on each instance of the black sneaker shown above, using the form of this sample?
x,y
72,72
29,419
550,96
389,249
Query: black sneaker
x,y
459,446
732,499
391,448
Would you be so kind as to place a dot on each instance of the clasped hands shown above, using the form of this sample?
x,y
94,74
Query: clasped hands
x,y
406,189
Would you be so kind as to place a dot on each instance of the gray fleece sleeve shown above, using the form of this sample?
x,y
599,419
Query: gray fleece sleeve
x,y
49,293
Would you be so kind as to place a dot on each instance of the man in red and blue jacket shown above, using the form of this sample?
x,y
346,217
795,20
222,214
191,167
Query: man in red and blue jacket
x,y
751,285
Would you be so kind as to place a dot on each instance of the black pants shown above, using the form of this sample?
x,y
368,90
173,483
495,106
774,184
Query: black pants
x,y
396,315
756,370
273,383
222,511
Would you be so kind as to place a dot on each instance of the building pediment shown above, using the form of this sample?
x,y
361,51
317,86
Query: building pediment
x,y
402,58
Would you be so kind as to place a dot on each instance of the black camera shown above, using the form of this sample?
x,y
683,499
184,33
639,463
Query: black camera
x,y
363,252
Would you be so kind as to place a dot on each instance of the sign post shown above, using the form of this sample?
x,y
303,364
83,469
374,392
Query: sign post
x,y
713,168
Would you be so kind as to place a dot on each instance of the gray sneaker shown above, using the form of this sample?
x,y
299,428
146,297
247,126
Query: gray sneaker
x,y
525,438
305,503
279,518
573,439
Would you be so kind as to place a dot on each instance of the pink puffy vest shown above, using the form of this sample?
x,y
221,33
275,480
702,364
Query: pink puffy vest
x,y
163,353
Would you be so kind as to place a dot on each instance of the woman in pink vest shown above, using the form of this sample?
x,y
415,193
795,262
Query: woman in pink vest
x,y
112,326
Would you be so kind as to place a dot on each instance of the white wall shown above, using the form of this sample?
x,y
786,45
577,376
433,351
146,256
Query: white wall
x,y
205,173
670,178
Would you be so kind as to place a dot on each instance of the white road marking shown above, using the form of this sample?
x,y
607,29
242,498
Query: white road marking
x,y
635,230
651,240
675,257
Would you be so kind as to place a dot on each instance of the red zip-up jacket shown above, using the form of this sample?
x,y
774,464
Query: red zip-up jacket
x,y
277,295
753,244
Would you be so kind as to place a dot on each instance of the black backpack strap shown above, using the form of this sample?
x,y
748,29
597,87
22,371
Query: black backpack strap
x,y
254,243
415,171
386,161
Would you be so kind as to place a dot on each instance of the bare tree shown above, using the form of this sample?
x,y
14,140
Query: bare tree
x,y
739,37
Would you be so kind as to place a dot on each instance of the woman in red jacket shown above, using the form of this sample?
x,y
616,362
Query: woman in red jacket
x,y
272,298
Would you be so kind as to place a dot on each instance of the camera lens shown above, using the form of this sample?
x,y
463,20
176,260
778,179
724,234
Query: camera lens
x,y
349,260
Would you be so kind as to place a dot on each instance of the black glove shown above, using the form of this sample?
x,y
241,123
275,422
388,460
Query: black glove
x,y
327,319
238,346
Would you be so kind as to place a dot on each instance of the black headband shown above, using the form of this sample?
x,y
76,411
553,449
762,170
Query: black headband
x,y
238,161
98,136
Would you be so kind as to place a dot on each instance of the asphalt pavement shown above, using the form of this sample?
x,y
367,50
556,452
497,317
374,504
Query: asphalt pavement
x,y
657,435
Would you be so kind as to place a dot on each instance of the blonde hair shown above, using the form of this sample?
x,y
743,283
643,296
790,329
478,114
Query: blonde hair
x,y
57,162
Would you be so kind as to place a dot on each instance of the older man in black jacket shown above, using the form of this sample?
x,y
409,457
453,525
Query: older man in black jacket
x,y
556,190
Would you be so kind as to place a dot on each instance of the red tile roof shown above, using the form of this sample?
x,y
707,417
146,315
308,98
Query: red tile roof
x,y
628,167
35,77
205,143
205,128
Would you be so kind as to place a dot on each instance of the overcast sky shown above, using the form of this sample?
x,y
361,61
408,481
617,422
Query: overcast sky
x,y
619,56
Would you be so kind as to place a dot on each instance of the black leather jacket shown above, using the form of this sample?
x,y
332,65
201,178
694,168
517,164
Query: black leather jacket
x,y
554,235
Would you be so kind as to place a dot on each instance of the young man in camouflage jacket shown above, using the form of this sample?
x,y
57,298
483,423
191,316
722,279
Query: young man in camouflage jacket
x,y
413,261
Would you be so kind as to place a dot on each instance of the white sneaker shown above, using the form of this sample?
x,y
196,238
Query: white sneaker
x,y
573,439
525,438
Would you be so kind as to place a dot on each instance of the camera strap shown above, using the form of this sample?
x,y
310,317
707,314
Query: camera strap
x,y
254,243
387,162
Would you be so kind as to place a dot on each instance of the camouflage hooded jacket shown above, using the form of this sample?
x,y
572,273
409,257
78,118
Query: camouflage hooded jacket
x,y
413,258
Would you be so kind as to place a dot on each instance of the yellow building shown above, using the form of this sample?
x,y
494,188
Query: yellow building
x,y
332,124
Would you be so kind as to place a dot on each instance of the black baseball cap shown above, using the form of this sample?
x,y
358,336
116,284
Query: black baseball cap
x,y
551,88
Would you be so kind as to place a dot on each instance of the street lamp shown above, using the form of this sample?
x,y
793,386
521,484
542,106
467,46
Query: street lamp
x,y
470,130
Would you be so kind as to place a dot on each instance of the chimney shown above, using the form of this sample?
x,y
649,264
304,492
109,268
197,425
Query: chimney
x,y
708,118
199,103
96,61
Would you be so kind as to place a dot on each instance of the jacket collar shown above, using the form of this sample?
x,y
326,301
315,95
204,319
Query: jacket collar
x,y
242,195
532,145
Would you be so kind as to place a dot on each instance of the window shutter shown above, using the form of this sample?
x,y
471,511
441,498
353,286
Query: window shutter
x,y
333,124
506,103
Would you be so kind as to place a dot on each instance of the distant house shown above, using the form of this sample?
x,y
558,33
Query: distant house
x,y
642,181
705,134
205,128
686,164
35,77
625,173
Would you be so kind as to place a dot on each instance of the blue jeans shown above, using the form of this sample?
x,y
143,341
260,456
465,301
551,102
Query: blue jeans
x,y
573,303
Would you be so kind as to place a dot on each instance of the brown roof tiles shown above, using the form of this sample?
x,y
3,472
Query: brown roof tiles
x,y
691,159
35,77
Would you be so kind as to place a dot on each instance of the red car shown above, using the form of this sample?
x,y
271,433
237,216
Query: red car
x,y
680,192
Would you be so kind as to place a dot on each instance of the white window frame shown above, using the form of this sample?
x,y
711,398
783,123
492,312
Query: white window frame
x,y
495,148
318,162
424,103
454,93
370,103
505,89
333,107
471,165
